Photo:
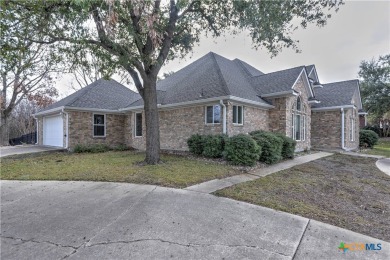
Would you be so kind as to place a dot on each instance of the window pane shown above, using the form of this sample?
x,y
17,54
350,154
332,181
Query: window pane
x,y
98,130
209,114
217,114
292,126
98,119
298,127
303,127
138,124
234,114
240,114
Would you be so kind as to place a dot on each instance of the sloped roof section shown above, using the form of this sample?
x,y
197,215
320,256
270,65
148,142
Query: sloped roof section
x,y
275,82
252,71
336,94
101,94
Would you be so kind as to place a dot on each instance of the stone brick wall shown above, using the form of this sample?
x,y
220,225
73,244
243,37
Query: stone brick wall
x,y
81,129
280,117
326,129
176,126
254,119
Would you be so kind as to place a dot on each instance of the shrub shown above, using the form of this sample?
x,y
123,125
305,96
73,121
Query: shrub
x,y
288,147
368,138
121,147
213,145
374,128
271,146
241,150
195,144
92,148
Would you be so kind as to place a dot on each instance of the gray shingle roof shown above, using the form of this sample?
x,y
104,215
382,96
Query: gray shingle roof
x,y
278,81
336,94
101,94
210,76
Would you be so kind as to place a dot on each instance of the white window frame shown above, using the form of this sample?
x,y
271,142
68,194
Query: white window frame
x,y
205,115
242,115
302,124
352,131
93,125
135,124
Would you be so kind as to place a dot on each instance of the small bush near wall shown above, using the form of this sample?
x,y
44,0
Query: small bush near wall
x,y
213,145
368,138
242,150
195,144
271,146
93,148
288,147
374,128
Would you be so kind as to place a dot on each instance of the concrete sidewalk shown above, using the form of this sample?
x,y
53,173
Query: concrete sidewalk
x,y
26,149
92,220
384,165
218,184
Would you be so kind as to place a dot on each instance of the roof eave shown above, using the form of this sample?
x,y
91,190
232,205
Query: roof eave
x,y
287,93
204,101
332,108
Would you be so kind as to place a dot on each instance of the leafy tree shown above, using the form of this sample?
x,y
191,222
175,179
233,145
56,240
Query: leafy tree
x,y
375,85
141,35
26,69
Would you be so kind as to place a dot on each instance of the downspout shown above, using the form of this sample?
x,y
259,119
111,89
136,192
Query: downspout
x,y
67,128
342,129
37,122
224,116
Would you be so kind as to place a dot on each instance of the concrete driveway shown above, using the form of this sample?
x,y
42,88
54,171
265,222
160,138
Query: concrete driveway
x,y
24,149
86,220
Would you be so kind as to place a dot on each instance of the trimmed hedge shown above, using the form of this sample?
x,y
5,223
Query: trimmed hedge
x,y
91,148
288,147
368,138
271,146
213,145
195,144
242,150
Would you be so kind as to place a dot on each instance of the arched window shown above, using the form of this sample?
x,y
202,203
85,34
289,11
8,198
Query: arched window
x,y
298,121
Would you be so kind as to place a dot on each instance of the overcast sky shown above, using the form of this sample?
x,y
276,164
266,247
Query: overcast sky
x,y
360,30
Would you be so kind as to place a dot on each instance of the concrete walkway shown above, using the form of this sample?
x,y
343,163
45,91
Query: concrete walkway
x,y
92,220
384,165
218,184
26,149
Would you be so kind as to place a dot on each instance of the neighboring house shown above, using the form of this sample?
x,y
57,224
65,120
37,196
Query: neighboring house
x,y
212,95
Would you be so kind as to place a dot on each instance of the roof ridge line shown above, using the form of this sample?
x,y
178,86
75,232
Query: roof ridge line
x,y
341,81
220,74
265,74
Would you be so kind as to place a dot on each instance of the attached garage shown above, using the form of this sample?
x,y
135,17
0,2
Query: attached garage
x,y
53,131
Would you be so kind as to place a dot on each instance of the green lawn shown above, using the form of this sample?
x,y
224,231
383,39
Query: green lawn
x,y
341,190
382,148
175,171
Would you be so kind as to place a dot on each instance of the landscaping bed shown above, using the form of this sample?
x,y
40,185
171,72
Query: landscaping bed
x,y
345,191
115,166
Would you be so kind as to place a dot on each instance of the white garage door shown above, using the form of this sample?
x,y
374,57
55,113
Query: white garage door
x,y
53,131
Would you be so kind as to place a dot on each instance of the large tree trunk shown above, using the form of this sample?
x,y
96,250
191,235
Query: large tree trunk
x,y
4,131
151,122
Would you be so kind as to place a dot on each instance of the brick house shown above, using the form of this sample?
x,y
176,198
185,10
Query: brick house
x,y
212,95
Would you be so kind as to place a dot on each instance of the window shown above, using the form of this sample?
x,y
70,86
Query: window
x,y
238,115
298,121
352,130
138,124
99,125
213,114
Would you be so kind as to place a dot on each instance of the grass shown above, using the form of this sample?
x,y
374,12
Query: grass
x,y
382,148
175,171
341,190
